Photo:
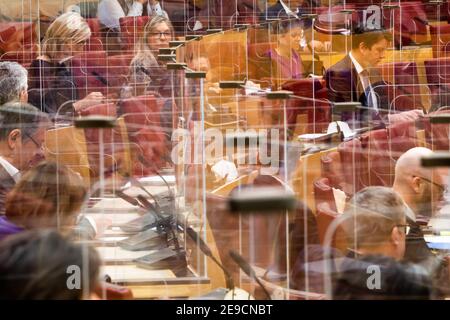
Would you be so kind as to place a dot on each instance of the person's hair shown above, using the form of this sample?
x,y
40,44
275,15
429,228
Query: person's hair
x,y
13,81
48,192
68,27
371,215
283,26
143,47
23,116
397,280
36,265
369,38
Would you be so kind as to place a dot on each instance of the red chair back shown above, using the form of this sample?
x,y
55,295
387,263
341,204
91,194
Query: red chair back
x,y
440,40
324,217
131,30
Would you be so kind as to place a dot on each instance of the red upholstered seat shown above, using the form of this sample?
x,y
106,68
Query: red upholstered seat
x,y
118,67
402,137
355,169
324,217
24,56
404,89
94,25
437,135
323,192
311,100
6,33
131,29
433,11
89,72
148,138
440,40
331,167
113,146
140,111
412,27
438,78
375,146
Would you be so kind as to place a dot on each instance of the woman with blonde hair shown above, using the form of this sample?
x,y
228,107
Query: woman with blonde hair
x,y
146,73
47,196
51,81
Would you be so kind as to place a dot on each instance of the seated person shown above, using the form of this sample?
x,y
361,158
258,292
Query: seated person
x,y
353,78
47,196
34,265
146,73
110,11
286,62
22,131
423,190
13,82
398,280
51,84
375,222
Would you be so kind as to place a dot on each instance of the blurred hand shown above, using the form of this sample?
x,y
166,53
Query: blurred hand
x,y
317,46
405,116
91,99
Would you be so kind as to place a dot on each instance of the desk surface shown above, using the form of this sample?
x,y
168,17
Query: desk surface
x,y
118,263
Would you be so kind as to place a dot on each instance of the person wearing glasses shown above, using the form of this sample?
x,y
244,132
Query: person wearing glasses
x,y
50,80
423,190
147,75
375,223
375,226
22,130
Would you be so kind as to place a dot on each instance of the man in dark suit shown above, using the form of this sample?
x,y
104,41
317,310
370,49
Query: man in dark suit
x,y
22,129
351,78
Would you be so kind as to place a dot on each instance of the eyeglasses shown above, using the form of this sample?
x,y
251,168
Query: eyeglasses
x,y
444,189
39,146
406,227
161,34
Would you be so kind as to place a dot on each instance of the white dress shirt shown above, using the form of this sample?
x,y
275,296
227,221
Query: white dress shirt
x,y
363,75
109,12
12,171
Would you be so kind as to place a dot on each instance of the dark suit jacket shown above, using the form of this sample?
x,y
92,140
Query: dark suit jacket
x,y
6,184
344,85
416,249
417,252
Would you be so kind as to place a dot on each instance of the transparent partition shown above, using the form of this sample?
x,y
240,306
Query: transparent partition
x,y
179,152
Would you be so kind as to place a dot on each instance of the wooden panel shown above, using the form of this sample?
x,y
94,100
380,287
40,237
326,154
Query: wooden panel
x,y
307,171
68,146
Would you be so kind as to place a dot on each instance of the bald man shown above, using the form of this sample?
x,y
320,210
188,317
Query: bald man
x,y
423,190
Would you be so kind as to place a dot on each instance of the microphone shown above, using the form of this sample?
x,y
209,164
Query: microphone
x,y
207,251
135,182
128,199
245,266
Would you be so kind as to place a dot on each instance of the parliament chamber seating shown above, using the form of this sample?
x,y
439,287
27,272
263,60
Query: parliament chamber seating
x,y
131,29
403,89
311,100
438,78
440,40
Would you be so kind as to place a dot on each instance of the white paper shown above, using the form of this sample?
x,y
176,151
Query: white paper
x,y
339,198
332,128
224,169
